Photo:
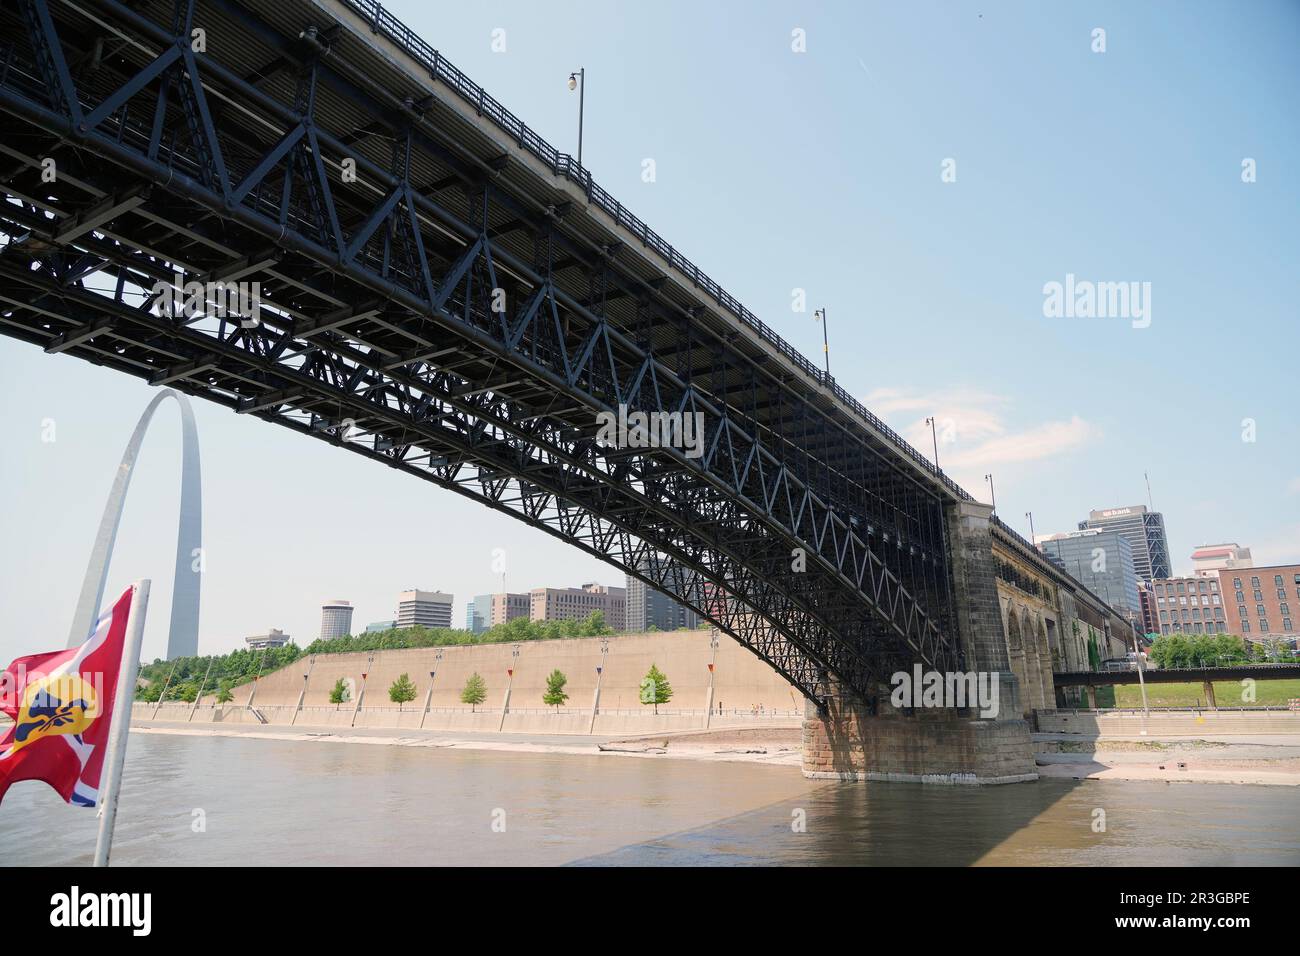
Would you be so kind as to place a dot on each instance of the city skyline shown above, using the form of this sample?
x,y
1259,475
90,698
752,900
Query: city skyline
x,y
921,324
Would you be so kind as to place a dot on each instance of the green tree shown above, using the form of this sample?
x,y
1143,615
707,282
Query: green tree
x,y
655,688
1180,651
555,695
474,692
1159,651
339,692
1230,648
225,694
401,690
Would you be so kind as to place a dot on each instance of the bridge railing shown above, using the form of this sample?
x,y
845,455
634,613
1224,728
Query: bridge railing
x,y
382,22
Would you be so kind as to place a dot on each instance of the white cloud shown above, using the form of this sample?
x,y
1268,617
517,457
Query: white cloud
x,y
1040,441
973,431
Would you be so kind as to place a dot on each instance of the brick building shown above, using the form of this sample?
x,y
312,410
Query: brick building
x,y
1190,605
574,604
1263,602
506,607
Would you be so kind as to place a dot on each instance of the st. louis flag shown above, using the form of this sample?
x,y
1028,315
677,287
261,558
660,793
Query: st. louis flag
x,y
61,704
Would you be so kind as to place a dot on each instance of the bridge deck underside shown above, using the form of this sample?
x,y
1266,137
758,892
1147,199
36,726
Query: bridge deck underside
x,y
441,313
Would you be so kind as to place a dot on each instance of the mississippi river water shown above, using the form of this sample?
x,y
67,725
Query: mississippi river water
x,y
224,800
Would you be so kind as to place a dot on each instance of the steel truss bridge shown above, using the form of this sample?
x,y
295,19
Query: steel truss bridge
x,y
444,293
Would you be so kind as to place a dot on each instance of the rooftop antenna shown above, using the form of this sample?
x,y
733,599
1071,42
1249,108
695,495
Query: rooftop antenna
x,y
1150,502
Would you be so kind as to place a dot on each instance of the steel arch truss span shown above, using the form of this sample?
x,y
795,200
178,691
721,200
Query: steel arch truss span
x,y
419,304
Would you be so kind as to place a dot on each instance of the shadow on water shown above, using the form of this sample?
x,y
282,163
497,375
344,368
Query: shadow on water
x,y
1052,822
858,824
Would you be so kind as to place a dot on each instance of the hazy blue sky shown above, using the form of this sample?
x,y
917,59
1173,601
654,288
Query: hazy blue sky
x,y
778,170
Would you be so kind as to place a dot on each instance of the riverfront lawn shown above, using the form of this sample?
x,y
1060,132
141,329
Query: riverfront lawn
x,y
1227,693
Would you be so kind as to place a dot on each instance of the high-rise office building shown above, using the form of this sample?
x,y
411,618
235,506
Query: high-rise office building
x,y
424,609
478,614
574,604
335,619
1145,531
648,608
1103,562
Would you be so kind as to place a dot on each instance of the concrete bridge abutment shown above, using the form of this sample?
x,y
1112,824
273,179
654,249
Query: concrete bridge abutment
x,y
846,737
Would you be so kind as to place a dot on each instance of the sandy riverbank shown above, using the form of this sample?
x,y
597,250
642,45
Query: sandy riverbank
x,y
759,746
1257,760
1271,760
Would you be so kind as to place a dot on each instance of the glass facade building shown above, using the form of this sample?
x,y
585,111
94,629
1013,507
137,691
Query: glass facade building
x,y
1102,561
1145,532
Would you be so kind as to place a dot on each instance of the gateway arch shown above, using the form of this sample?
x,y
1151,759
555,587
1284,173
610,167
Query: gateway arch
x,y
183,635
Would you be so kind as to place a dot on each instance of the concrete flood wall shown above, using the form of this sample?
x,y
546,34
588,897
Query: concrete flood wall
x,y
742,681
1100,723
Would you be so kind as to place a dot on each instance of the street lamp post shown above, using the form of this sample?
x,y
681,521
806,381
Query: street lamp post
x,y
302,694
510,683
1030,516
248,705
993,498
168,682
428,697
713,660
370,662
578,81
1142,682
600,671
934,436
820,316
199,696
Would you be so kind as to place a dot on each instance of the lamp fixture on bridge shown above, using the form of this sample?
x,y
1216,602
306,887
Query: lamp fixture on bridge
x,y
578,81
820,316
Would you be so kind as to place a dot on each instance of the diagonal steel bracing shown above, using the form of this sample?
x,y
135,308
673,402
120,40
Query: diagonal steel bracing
x,y
427,304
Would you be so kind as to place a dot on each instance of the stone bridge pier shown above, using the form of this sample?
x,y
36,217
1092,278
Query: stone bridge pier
x,y
855,739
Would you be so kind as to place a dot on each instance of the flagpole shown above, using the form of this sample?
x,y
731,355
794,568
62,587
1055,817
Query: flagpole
x,y
115,755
